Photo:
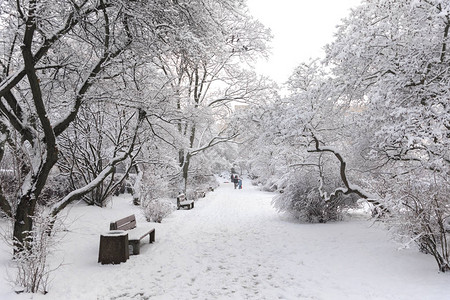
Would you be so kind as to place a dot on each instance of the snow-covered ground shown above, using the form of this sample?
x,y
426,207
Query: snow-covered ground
x,y
234,245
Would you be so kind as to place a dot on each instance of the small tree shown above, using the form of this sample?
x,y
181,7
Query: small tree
x,y
205,83
423,217
32,268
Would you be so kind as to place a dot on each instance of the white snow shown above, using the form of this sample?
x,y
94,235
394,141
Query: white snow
x,y
234,245
115,233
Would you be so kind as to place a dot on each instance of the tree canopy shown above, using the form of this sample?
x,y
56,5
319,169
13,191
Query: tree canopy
x,y
98,96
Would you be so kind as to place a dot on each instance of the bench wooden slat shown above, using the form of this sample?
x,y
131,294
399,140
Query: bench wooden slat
x,y
139,233
126,223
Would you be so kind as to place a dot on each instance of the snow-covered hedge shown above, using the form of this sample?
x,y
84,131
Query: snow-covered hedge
x,y
155,210
423,217
304,203
301,198
33,271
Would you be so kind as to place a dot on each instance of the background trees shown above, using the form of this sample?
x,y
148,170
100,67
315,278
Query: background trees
x,y
402,72
373,121
88,87
207,76
79,82
53,58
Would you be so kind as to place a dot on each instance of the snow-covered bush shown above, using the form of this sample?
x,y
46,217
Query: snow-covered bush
x,y
152,186
302,199
56,188
155,210
201,184
302,202
31,257
274,184
153,198
423,217
208,182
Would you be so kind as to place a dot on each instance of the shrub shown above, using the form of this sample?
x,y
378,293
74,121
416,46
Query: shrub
x,y
423,217
302,200
200,185
57,187
303,203
155,210
31,257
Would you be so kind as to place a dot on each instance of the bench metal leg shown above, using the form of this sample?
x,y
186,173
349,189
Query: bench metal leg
x,y
152,236
136,246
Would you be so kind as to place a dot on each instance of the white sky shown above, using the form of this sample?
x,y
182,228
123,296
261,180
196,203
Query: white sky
x,y
301,28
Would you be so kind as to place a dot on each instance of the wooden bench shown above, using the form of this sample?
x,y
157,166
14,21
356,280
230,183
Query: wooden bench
x,y
183,202
135,234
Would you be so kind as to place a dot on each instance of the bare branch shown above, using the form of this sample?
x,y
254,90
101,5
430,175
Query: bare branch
x,y
349,188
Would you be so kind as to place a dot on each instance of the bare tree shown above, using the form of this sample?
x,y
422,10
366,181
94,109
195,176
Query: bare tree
x,y
205,84
55,58
97,135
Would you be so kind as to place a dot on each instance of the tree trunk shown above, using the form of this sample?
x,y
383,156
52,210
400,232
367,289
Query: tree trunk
x,y
187,161
23,223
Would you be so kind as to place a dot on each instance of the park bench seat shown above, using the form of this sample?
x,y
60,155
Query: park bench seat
x,y
135,234
183,202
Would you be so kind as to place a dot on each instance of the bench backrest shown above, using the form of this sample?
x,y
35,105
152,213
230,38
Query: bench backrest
x,y
124,224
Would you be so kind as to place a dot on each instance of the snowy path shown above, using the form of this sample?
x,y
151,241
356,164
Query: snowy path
x,y
233,245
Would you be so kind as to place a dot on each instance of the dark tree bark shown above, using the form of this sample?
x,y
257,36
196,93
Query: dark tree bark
x,y
349,189
36,127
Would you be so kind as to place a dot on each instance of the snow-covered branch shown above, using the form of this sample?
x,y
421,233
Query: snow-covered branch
x,y
77,194
214,141
109,169
349,187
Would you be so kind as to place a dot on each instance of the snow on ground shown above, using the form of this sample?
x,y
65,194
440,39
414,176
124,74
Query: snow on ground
x,y
234,245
